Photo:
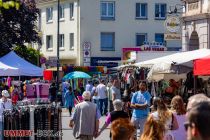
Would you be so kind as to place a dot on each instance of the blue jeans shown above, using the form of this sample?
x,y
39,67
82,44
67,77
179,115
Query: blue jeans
x,y
103,104
96,102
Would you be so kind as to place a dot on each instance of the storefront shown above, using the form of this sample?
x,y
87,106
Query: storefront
x,y
105,61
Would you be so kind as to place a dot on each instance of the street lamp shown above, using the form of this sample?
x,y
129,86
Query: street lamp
x,y
58,40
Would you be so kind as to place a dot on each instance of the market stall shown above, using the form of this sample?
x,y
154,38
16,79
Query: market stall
x,y
17,66
202,66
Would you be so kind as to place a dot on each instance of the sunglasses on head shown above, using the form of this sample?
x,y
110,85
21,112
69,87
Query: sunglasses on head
x,y
186,125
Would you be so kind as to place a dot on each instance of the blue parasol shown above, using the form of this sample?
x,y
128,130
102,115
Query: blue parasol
x,y
76,75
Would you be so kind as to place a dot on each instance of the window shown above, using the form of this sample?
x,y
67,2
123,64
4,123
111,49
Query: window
x,y
160,11
49,12
71,36
141,10
61,12
61,40
159,37
107,10
49,41
140,39
71,10
107,41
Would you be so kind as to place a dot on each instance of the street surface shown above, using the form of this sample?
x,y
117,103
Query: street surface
x,y
68,133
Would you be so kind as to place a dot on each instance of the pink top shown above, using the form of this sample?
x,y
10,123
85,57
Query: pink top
x,y
180,133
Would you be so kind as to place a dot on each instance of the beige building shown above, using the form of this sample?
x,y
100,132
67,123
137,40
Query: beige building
x,y
92,31
196,21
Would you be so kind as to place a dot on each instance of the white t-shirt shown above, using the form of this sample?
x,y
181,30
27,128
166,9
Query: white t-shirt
x,y
92,93
102,91
116,91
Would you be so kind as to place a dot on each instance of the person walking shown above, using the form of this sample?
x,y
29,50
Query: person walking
x,y
69,98
114,115
52,92
198,122
85,119
115,93
103,99
5,103
122,129
94,94
153,130
140,103
89,86
178,109
166,117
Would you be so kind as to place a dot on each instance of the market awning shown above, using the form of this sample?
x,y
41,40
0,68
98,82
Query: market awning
x,y
202,66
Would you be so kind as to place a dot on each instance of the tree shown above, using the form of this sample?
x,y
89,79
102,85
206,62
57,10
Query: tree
x,y
18,24
28,53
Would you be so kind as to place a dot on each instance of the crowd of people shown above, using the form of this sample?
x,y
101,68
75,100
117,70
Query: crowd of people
x,y
138,115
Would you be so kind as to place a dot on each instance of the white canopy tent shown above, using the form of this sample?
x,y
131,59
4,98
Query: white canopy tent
x,y
5,70
180,58
172,64
13,65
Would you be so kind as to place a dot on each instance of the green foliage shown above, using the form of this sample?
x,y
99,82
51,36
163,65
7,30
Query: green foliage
x,y
28,53
18,23
9,4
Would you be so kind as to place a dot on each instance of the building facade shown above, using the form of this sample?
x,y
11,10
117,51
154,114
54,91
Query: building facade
x,y
92,31
196,21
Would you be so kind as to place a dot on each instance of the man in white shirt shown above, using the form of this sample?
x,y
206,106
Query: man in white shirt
x,y
102,96
89,86
5,104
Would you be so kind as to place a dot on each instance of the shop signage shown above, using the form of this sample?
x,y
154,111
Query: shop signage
x,y
105,61
153,47
173,24
127,52
133,55
52,61
172,37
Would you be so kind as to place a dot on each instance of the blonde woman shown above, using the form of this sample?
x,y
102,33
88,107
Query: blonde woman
x,y
166,117
153,130
178,109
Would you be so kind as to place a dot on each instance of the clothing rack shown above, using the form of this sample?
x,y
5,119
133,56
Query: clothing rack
x,y
37,118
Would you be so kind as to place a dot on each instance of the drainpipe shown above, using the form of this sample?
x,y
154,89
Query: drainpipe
x,y
79,54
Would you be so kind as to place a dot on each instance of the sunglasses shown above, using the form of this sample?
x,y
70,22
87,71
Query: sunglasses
x,y
186,125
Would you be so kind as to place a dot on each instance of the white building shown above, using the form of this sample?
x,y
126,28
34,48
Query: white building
x,y
106,26
195,31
